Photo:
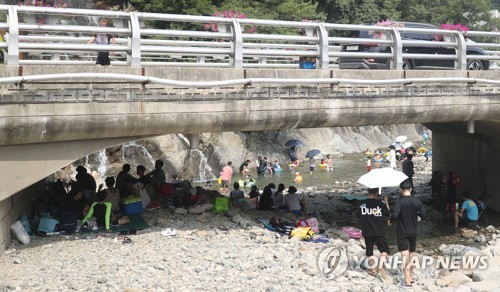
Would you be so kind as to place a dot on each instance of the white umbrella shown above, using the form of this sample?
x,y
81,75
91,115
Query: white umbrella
x,y
397,145
401,138
382,177
407,144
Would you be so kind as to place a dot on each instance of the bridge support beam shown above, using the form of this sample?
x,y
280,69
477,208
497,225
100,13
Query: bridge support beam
x,y
194,141
474,157
25,164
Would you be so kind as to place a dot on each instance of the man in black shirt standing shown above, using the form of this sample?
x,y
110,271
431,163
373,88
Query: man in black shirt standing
x,y
373,214
406,211
407,168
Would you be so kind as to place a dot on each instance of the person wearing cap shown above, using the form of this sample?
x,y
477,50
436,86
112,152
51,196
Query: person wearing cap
x,y
294,201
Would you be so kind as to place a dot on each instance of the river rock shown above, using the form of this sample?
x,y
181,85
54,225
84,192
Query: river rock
x,y
458,279
490,228
469,234
200,209
457,250
180,211
334,233
478,276
480,238
484,286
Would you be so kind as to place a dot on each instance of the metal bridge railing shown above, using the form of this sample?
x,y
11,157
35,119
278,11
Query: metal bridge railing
x,y
59,36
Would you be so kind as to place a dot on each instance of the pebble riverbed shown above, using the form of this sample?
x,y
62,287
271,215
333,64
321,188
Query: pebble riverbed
x,y
232,252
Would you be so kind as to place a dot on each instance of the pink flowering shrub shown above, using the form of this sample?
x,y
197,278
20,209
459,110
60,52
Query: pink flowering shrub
x,y
46,3
228,14
448,26
385,23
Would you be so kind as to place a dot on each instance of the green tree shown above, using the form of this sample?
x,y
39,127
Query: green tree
x,y
474,14
359,11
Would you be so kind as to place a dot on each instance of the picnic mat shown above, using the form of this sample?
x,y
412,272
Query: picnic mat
x,y
136,223
354,198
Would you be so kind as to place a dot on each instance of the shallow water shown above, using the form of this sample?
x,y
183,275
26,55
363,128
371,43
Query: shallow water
x,y
347,168
431,234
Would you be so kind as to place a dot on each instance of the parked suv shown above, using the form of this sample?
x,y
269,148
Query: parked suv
x,y
384,63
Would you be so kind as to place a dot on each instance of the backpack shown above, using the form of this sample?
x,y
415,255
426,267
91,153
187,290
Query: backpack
x,y
67,221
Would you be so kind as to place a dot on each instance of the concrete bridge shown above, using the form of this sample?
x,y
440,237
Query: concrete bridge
x,y
52,111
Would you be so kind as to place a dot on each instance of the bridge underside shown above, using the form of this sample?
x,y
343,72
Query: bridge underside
x,y
475,157
23,165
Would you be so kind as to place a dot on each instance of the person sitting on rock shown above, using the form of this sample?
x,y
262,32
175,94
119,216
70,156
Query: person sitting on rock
x,y
113,195
279,197
254,195
294,202
236,194
471,212
101,210
157,176
266,200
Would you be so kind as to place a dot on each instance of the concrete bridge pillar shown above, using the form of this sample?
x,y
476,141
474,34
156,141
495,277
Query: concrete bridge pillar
x,y
194,141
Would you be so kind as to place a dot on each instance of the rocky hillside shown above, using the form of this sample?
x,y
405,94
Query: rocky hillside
x,y
217,148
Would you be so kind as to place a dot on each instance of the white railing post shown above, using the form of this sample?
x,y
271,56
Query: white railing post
x,y
397,50
461,63
13,37
237,43
135,40
324,58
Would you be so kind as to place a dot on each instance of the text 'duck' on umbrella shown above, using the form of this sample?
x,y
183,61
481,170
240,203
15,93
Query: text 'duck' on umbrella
x,y
382,177
293,143
312,153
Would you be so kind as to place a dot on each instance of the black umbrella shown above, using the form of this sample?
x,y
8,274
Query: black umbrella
x,y
293,143
312,153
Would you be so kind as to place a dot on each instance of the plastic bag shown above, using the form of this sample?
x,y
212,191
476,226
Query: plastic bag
x,y
221,205
26,224
313,222
20,233
302,232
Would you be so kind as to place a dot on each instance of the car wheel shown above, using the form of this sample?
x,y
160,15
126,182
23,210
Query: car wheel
x,y
475,65
407,65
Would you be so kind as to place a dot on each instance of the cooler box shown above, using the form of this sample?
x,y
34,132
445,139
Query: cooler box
x,y
132,206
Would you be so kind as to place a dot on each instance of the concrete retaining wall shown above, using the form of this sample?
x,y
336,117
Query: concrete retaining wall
x,y
12,208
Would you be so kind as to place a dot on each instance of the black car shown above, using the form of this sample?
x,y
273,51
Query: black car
x,y
384,63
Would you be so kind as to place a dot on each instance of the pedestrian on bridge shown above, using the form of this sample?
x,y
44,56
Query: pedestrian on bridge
x,y
102,39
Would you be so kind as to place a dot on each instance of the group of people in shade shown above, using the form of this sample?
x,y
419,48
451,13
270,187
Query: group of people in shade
x,y
272,198
85,199
444,194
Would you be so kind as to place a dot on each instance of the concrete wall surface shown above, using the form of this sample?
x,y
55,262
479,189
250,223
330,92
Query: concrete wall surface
x,y
11,210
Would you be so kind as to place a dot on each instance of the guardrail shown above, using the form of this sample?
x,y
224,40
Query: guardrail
x,y
59,36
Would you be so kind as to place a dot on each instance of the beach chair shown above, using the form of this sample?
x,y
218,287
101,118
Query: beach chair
x,y
482,211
